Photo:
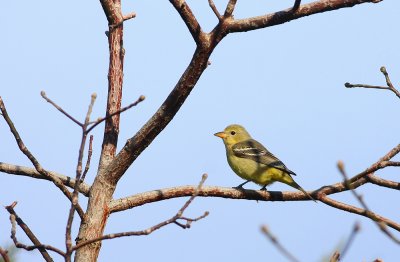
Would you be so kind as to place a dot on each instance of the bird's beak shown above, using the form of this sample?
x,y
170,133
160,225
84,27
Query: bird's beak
x,y
220,134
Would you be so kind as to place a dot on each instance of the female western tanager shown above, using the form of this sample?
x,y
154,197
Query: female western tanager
x,y
250,160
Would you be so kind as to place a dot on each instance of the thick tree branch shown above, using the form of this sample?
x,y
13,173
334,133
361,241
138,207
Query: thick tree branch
x,y
253,23
31,172
230,7
207,191
190,20
112,9
135,145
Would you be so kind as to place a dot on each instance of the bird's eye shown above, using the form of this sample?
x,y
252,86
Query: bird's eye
x,y
233,133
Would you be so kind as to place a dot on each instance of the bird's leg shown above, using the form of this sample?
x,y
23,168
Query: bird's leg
x,y
264,188
242,184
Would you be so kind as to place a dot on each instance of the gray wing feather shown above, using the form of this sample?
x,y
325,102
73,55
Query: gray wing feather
x,y
252,149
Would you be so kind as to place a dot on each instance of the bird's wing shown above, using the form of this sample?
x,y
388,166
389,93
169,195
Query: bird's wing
x,y
252,149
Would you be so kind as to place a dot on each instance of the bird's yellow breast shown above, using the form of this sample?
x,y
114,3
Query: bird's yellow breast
x,y
258,173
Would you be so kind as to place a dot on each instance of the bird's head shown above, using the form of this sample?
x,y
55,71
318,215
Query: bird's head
x,y
233,134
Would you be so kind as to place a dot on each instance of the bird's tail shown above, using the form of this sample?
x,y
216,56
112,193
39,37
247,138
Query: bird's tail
x,y
297,186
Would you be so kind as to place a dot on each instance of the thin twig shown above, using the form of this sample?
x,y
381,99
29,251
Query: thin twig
x,y
43,94
75,195
87,166
95,123
383,182
4,255
366,213
173,220
379,222
389,84
14,218
277,244
33,160
354,231
335,257
125,17
214,9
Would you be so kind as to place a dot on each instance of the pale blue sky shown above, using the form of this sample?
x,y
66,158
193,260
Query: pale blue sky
x,y
284,83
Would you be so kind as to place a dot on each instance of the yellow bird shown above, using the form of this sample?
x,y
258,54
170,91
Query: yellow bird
x,y
250,160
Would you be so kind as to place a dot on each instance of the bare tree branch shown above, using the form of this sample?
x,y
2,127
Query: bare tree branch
x,y
14,218
214,9
43,94
359,211
335,257
190,20
4,255
31,172
350,240
383,182
277,244
100,120
173,220
380,223
206,191
389,84
89,157
296,5
230,7
75,195
112,9
253,23
33,160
